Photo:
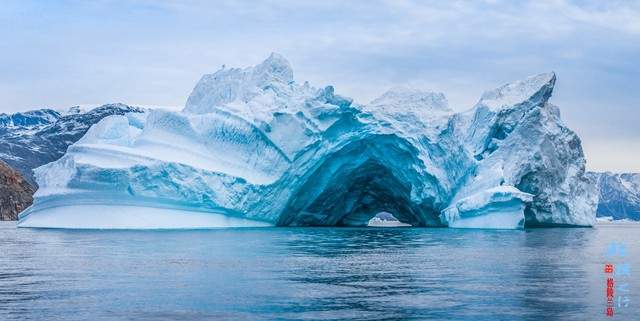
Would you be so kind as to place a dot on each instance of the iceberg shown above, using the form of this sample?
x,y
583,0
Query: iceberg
x,y
252,147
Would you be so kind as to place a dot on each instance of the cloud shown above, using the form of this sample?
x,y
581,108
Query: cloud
x,y
71,52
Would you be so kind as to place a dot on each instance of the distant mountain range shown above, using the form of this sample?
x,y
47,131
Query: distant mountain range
x,y
619,195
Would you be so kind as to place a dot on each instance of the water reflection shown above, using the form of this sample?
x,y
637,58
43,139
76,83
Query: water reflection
x,y
554,284
359,273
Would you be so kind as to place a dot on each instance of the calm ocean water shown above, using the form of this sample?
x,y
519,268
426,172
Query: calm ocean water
x,y
314,274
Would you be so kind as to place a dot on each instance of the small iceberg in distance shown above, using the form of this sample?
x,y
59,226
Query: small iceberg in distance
x,y
252,147
386,220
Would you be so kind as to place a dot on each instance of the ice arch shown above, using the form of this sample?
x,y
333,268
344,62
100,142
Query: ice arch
x,y
368,176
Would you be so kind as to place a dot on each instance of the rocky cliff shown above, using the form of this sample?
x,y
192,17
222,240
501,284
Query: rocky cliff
x,y
15,193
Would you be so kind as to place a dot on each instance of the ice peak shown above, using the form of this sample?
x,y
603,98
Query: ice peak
x,y
534,89
234,84
407,98
274,68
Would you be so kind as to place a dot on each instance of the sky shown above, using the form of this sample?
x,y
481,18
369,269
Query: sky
x,y
65,53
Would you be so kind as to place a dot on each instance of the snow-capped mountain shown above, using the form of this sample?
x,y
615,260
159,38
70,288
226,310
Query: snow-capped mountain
x,y
29,119
34,138
619,195
253,147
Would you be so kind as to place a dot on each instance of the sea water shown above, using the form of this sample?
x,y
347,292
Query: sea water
x,y
318,274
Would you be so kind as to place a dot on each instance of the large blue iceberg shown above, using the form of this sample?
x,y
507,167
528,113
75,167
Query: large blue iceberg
x,y
252,147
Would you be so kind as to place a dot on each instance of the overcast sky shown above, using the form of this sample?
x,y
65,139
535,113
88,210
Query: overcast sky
x,y
64,53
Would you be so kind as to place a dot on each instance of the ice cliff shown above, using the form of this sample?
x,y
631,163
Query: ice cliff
x,y
253,147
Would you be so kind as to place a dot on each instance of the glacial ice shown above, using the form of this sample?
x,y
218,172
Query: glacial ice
x,y
134,217
256,147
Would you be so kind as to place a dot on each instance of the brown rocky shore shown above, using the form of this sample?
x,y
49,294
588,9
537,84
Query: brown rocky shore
x,y
15,193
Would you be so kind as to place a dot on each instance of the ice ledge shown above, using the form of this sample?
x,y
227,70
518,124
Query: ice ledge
x,y
500,207
131,217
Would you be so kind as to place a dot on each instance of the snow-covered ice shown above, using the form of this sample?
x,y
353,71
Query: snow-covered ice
x,y
255,146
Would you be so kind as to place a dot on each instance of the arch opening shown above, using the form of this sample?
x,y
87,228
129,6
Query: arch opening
x,y
359,181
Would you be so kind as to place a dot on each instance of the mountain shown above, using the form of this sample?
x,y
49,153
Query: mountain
x,y
254,147
15,193
619,195
34,138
